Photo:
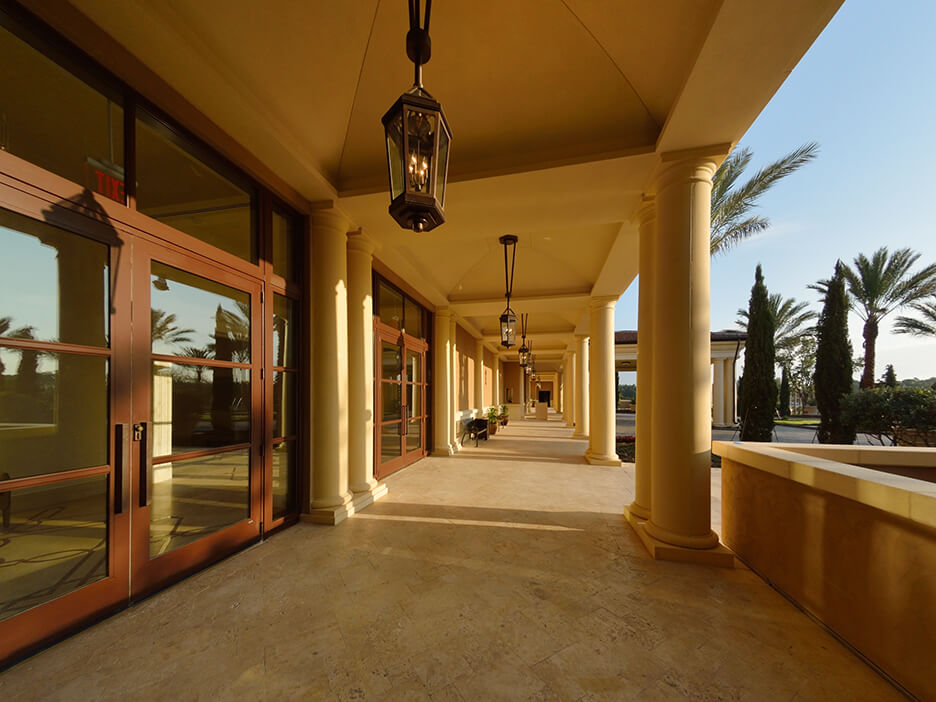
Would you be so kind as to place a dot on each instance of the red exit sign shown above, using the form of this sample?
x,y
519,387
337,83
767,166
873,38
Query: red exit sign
x,y
105,179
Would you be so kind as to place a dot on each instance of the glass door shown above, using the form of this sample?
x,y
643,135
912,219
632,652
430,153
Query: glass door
x,y
64,495
197,414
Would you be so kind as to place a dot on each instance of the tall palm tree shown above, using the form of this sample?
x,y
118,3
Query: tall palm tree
x,y
732,219
788,316
878,286
919,327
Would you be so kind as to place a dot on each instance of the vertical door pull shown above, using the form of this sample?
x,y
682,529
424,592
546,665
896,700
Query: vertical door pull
x,y
121,470
142,434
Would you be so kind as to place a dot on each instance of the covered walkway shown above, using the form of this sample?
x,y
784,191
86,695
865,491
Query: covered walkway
x,y
504,572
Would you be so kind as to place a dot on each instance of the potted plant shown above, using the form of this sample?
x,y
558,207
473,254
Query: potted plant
x,y
504,415
492,420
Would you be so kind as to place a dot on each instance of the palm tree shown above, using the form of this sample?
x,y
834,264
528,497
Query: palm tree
x,y
788,316
919,327
878,286
163,328
732,220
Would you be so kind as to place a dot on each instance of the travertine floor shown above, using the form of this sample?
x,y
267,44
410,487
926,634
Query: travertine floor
x,y
503,573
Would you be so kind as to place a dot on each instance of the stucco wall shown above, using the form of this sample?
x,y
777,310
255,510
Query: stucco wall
x,y
465,364
511,379
489,398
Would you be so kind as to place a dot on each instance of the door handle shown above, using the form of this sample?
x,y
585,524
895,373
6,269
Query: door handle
x,y
142,433
121,467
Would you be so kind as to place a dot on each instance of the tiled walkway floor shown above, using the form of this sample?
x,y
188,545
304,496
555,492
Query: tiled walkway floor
x,y
506,572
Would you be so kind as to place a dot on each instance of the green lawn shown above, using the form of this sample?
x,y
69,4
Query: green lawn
x,y
798,422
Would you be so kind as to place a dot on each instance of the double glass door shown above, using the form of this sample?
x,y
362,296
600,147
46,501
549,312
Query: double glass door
x,y
134,414
400,399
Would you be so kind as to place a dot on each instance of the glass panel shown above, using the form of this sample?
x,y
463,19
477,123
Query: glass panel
x,y
286,246
197,497
413,366
53,412
420,127
55,120
413,435
414,400
392,402
284,478
390,304
443,164
53,284
413,319
285,404
199,407
395,154
285,332
176,187
53,540
390,447
198,318
391,361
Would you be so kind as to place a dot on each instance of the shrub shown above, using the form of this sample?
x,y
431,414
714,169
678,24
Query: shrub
x,y
903,416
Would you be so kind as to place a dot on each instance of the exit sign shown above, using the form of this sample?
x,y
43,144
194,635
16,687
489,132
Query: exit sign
x,y
105,179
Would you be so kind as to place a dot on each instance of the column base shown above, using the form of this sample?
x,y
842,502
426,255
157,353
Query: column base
x,y
444,451
718,555
638,511
333,516
577,435
601,459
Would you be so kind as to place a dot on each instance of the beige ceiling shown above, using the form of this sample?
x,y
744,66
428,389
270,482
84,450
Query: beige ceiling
x,y
560,110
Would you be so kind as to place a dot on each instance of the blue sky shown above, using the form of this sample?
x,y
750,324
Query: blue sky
x,y
866,91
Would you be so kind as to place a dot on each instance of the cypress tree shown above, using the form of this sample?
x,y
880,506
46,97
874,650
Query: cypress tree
x,y
833,376
889,380
758,398
784,393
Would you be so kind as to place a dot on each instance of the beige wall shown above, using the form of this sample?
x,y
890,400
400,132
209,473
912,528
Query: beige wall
x,y
868,574
511,379
489,398
464,377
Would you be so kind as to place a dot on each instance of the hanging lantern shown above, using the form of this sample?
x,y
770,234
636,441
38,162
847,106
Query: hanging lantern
x,y
523,351
508,320
418,139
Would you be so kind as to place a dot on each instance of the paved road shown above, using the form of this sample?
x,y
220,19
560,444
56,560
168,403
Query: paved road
x,y
793,435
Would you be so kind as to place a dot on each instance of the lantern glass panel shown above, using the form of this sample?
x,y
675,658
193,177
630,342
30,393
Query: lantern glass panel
x,y
508,324
442,168
395,154
421,129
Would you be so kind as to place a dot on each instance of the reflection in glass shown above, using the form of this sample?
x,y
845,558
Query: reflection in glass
x,y
55,120
392,402
284,478
53,540
413,400
284,404
53,412
286,246
413,367
390,303
285,332
390,442
413,320
391,361
198,407
175,186
413,435
197,497
53,284
198,318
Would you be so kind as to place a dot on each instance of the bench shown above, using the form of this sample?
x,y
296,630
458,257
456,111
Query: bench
x,y
475,429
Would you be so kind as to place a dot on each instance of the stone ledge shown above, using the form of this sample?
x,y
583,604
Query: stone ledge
x,y
719,556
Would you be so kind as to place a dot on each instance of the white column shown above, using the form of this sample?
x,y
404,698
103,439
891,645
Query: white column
x,y
479,375
680,512
602,392
570,389
640,507
442,384
360,364
454,380
329,494
718,392
581,387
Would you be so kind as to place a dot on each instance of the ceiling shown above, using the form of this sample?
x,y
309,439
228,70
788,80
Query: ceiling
x,y
560,110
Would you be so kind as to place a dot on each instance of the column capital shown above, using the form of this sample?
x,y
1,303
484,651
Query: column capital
x,y
602,301
329,218
445,312
580,338
646,213
690,165
361,243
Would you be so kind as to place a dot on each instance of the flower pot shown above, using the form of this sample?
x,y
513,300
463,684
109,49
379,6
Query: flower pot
x,y
492,428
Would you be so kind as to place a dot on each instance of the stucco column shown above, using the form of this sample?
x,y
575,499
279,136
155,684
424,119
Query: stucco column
x,y
495,382
360,364
454,380
329,493
718,392
479,375
602,391
640,507
581,387
680,512
570,389
442,384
